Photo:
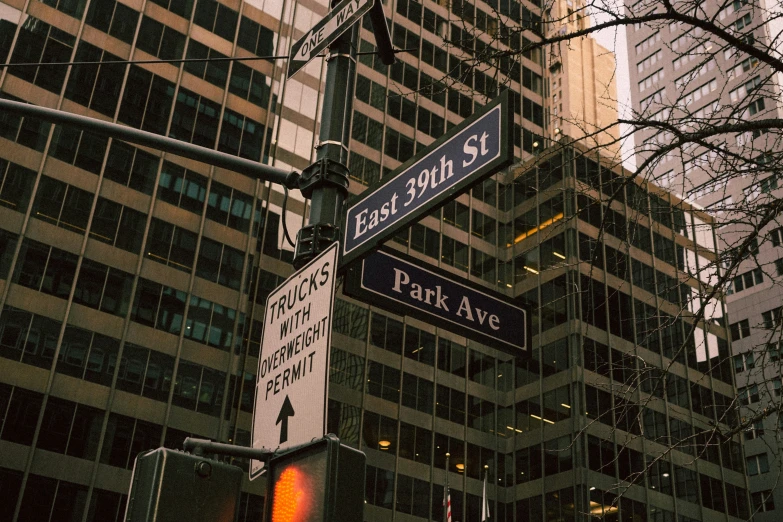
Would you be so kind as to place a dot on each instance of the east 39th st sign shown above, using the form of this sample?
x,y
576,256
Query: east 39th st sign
x,y
473,150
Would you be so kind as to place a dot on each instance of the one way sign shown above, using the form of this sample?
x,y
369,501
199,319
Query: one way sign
x,y
293,366
339,20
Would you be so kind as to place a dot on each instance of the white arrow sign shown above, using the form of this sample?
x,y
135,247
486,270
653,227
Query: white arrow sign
x,y
293,366
339,20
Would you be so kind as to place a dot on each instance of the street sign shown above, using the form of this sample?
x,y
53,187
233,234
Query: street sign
x,y
404,285
339,20
473,150
291,387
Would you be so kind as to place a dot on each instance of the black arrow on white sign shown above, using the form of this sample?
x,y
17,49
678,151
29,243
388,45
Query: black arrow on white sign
x,y
282,418
339,20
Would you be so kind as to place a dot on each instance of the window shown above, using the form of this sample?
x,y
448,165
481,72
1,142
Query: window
x,y
419,345
118,225
379,486
62,205
95,86
220,263
772,319
40,42
383,381
21,416
181,187
379,433
147,101
147,307
754,431
452,357
450,404
346,369
255,38
113,18
415,443
386,333
776,236
213,69
741,92
744,361
73,8
89,356
210,323
195,119
214,16
763,501
748,394
83,149
250,84
16,185
126,437
755,107
648,43
103,288
417,393
45,269
170,245
131,167
425,240
162,41
743,22
757,464
686,484
180,7
748,280
779,266
243,137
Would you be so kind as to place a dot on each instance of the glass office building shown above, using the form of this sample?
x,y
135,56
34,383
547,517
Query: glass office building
x,y
690,78
132,281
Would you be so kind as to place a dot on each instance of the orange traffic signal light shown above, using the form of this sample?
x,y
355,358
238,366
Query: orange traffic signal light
x,y
321,482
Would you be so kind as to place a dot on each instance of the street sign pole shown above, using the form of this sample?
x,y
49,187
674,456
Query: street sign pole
x,y
325,182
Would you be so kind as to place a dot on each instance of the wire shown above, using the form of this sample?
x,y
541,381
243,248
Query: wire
x,y
285,227
132,62
172,61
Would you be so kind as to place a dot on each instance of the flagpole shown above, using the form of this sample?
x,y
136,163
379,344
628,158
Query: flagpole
x,y
446,491
484,500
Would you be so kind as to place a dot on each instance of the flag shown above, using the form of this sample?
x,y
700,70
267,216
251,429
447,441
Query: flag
x,y
448,507
484,501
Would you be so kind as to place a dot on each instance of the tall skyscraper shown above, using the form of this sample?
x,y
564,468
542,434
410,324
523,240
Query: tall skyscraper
x,y
132,281
686,76
582,79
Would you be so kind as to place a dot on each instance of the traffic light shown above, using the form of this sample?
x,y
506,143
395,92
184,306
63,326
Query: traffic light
x,y
320,482
170,485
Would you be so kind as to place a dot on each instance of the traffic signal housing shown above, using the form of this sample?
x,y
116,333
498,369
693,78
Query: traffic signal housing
x,y
320,482
170,485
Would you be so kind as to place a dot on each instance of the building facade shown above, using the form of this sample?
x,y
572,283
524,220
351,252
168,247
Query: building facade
x,y
685,76
132,281
582,78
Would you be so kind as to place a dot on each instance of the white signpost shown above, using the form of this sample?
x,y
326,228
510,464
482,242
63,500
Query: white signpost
x,y
339,20
293,366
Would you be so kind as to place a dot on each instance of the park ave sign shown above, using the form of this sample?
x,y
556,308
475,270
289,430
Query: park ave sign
x,y
407,286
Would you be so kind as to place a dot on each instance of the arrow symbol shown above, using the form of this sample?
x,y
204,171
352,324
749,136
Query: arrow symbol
x,y
282,418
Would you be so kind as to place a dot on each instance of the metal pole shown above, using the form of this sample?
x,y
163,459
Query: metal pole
x,y
446,492
248,167
325,182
